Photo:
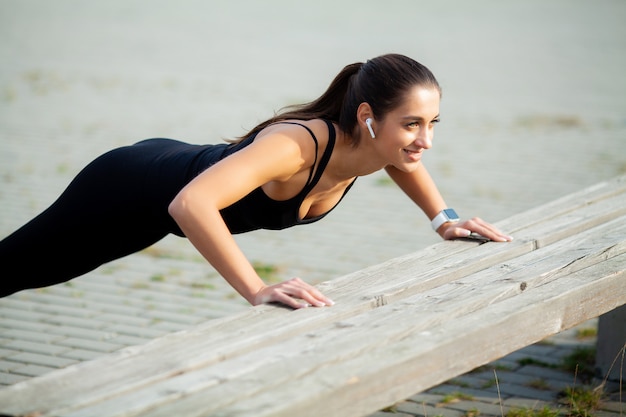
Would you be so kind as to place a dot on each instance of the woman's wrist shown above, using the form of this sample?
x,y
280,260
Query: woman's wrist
x,y
257,297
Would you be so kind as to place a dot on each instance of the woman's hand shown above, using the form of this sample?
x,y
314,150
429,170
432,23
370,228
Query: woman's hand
x,y
294,293
462,229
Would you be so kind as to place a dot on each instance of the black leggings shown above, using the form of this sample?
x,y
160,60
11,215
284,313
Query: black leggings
x,y
107,212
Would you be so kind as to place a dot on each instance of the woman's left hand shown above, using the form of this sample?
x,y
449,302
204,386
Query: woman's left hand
x,y
476,225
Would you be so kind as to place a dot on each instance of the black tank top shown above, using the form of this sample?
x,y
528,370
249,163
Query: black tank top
x,y
258,211
165,166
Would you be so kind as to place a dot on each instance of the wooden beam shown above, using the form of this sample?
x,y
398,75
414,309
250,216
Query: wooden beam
x,y
241,379
228,360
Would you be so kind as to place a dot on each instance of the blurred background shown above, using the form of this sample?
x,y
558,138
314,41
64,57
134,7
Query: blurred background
x,y
534,104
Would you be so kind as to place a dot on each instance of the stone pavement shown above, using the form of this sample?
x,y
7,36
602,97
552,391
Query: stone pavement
x,y
525,120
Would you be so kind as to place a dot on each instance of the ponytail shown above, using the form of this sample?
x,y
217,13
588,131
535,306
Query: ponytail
x,y
382,82
328,106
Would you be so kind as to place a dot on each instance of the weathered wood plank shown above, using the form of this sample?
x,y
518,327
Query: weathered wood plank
x,y
358,335
377,285
371,381
439,356
606,190
576,221
233,382
400,272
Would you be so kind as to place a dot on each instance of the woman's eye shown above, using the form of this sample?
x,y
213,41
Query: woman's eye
x,y
413,124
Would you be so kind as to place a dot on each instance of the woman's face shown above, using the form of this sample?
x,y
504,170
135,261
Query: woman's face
x,y
407,131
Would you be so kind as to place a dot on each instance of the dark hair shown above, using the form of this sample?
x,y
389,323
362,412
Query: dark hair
x,y
382,82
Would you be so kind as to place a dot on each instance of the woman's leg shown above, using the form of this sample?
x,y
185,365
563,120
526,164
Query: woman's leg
x,y
100,217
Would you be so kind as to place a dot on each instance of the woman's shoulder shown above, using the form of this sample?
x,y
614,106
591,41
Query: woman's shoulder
x,y
305,138
316,130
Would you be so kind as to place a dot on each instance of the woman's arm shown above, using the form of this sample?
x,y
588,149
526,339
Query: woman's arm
x,y
421,188
275,157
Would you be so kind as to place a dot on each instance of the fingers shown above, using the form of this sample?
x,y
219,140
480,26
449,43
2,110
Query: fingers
x,y
475,226
294,293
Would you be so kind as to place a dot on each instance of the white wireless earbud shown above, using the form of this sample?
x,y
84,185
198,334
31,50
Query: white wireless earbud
x,y
368,122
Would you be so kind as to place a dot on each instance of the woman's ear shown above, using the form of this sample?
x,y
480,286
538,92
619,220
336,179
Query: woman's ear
x,y
364,112
365,118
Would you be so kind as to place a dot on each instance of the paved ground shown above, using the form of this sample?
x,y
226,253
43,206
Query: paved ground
x,y
534,108
531,379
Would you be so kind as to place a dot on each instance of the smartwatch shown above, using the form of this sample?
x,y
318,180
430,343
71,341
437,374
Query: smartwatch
x,y
444,216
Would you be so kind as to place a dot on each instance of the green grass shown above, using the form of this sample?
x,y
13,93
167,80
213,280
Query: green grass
x,y
540,384
581,362
586,333
472,412
488,384
583,401
268,272
9,94
157,278
202,285
384,182
455,397
529,412
458,383
63,168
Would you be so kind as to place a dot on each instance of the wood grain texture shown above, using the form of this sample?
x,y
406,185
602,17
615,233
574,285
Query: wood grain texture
x,y
325,348
397,328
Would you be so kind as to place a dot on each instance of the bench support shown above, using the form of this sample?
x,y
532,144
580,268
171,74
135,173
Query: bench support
x,y
610,356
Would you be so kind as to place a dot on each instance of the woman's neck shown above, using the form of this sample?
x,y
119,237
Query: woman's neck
x,y
349,161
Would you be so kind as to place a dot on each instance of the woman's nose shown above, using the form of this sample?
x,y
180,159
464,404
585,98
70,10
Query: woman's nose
x,y
424,139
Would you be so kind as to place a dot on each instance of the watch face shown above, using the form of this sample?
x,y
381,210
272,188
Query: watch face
x,y
451,214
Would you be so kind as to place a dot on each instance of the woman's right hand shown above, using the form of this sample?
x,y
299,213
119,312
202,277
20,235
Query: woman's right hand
x,y
294,293
274,157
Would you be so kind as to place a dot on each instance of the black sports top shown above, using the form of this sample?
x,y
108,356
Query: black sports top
x,y
254,211
257,210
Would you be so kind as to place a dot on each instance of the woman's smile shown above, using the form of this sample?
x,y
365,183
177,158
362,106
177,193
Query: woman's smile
x,y
414,155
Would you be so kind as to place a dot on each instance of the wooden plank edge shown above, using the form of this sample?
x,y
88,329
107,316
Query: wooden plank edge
x,y
363,385
190,347
588,196
327,339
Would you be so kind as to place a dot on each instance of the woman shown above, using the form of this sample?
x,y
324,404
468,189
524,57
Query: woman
x,y
291,169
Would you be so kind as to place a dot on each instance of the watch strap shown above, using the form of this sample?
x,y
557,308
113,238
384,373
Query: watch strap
x,y
444,216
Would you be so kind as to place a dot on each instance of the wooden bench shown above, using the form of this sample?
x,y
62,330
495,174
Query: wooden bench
x,y
398,328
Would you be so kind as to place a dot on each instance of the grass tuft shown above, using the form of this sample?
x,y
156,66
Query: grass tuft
x,y
540,384
529,412
268,272
582,401
582,363
586,333
456,396
472,412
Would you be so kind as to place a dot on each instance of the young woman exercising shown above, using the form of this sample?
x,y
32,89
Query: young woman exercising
x,y
291,169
